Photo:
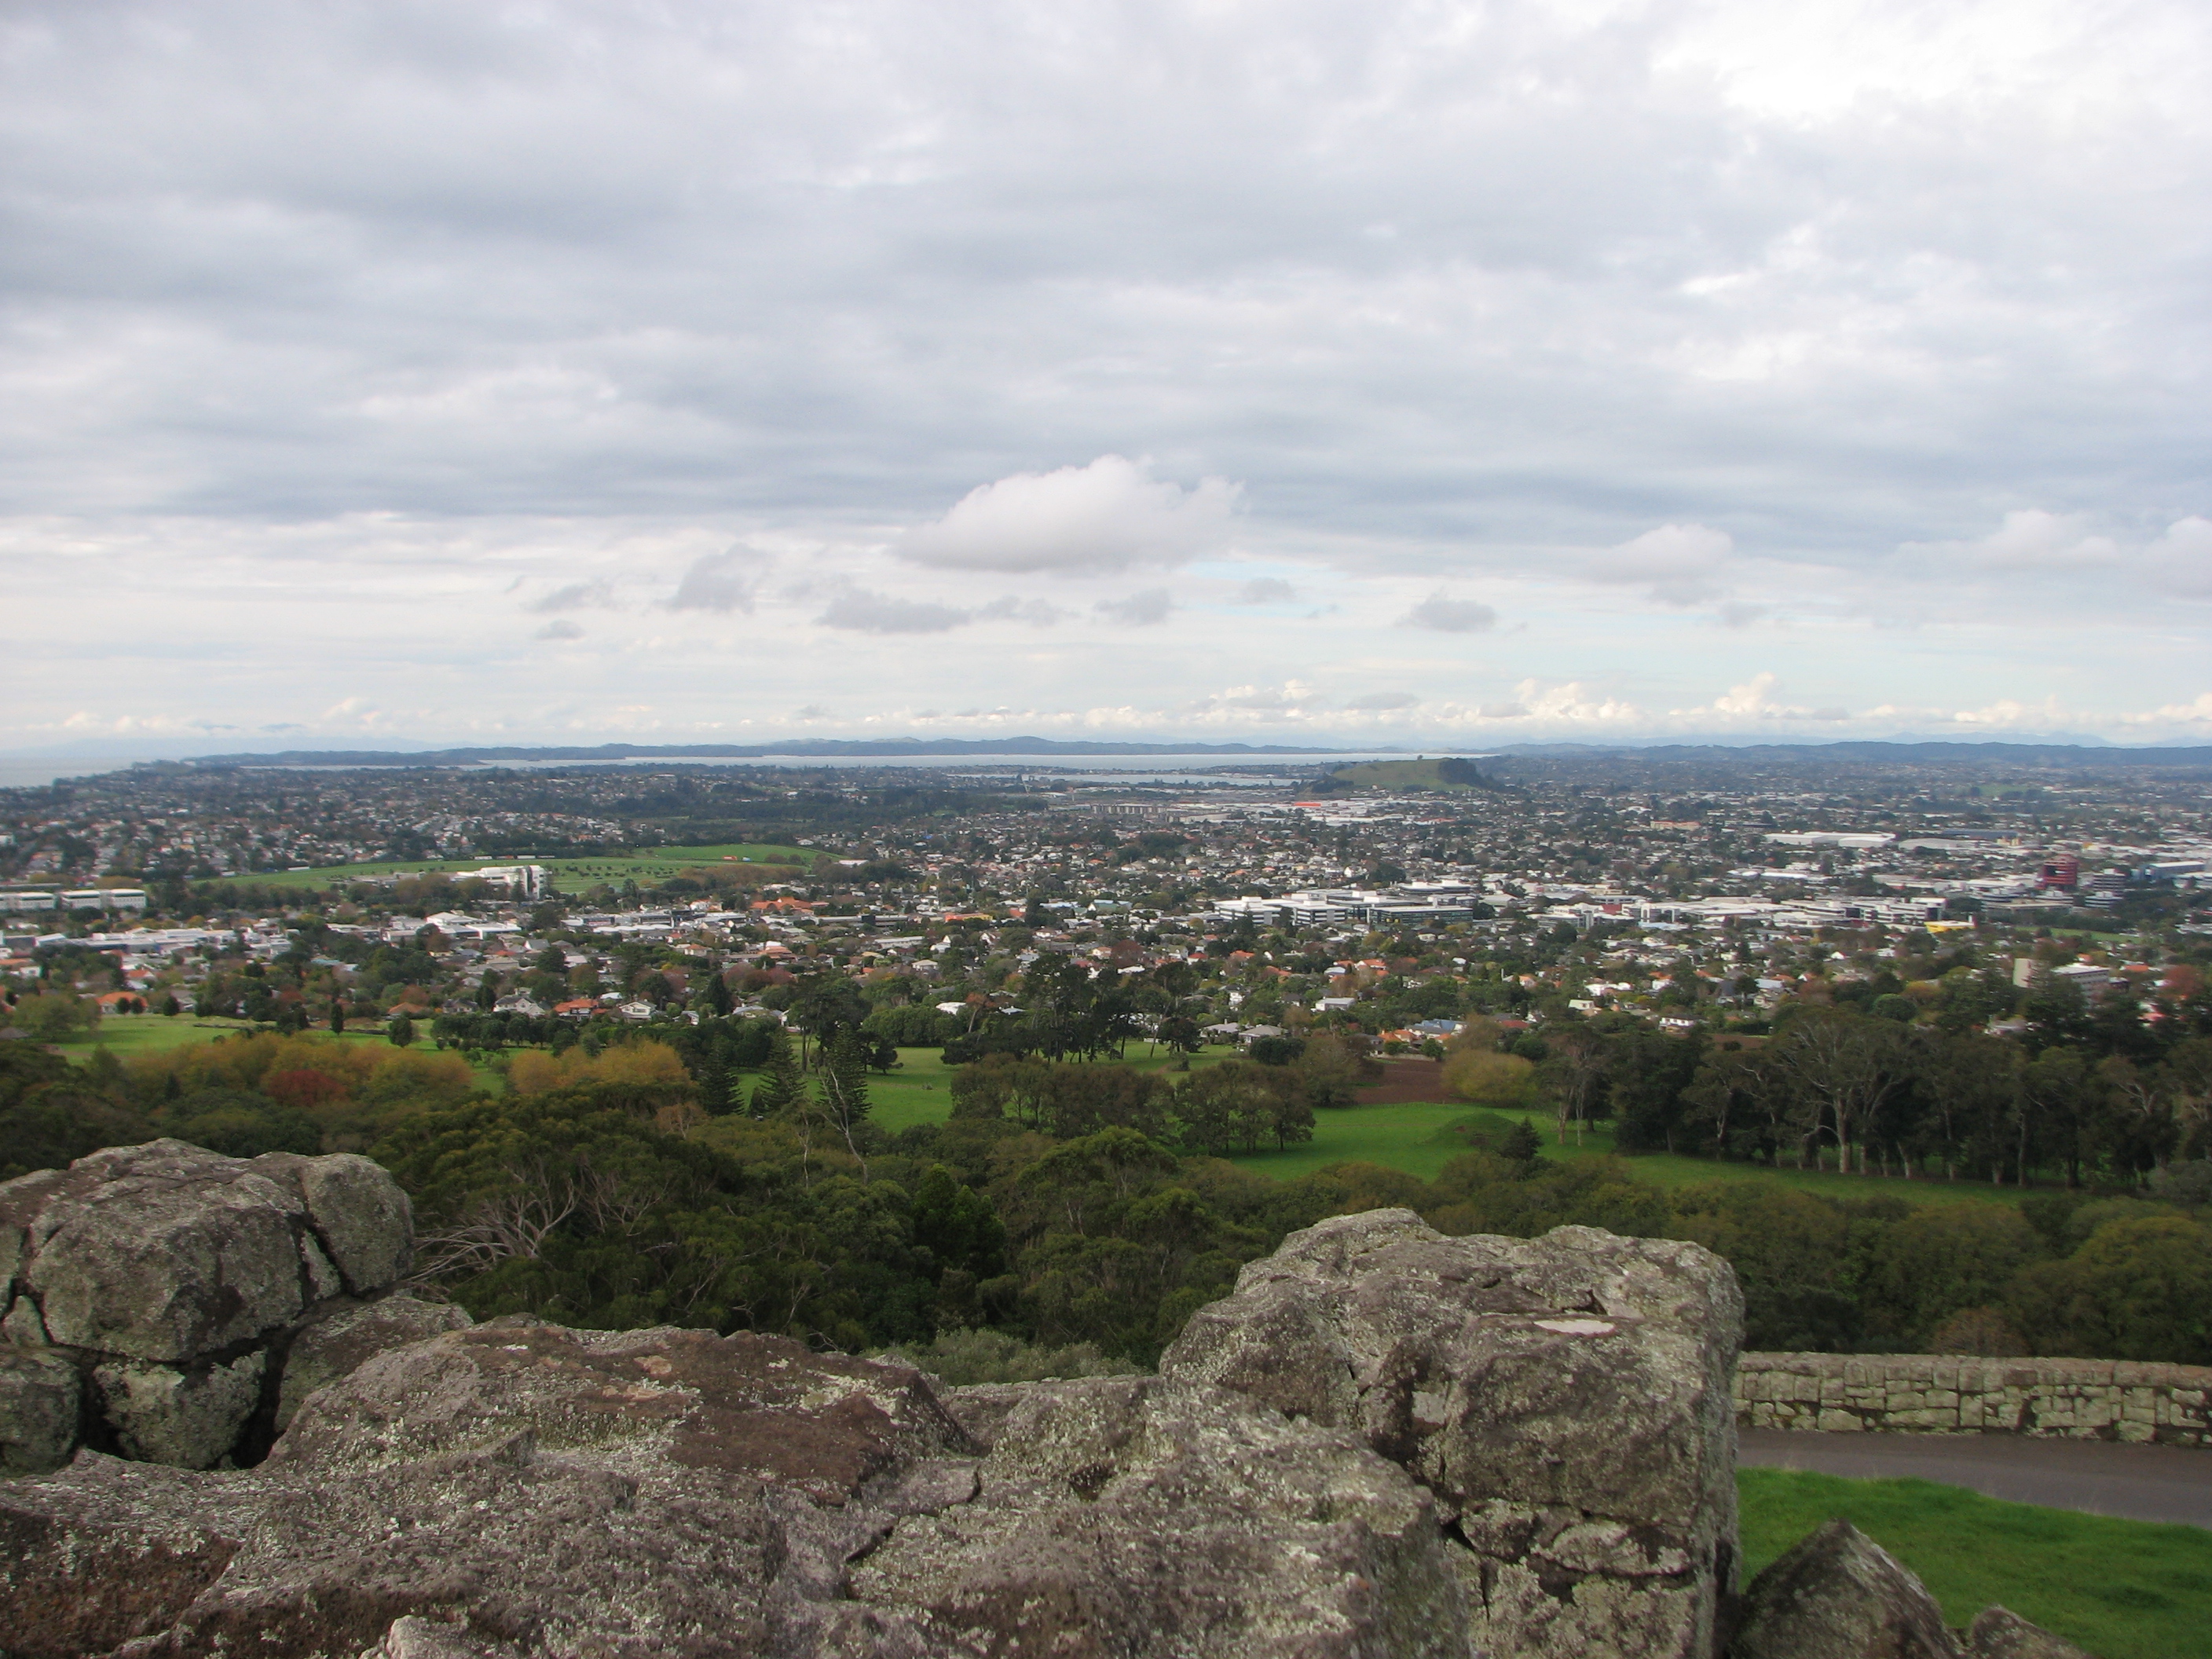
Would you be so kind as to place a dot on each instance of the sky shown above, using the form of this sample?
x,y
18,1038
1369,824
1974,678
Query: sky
x,y
400,371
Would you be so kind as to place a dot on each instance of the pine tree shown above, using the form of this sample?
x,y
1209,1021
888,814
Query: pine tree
x,y
844,1085
714,998
780,1087
1522,1144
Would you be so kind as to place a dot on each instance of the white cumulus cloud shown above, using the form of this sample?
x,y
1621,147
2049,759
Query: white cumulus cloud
x,y
1079,520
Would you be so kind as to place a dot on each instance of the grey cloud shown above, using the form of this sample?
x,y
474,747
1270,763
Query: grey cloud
x,y
882,613
408,271
1678,564
1139,609
1503,711
575,596
1735,613
720,582
1446,615
1267,590
1038,613
559,630
1380,701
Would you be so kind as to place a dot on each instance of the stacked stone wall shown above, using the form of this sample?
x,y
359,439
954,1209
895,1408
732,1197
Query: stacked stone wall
x,y
1957,1393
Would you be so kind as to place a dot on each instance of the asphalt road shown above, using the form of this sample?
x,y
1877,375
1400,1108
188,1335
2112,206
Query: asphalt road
x,y
2142,1483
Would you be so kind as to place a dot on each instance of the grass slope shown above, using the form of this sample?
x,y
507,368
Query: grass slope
x,y
2124,1590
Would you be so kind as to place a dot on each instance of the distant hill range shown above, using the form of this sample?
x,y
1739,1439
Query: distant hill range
x,y
1930,752
815,748
891,749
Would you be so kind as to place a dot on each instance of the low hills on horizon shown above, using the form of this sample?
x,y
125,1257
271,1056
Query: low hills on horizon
x,y
1924,750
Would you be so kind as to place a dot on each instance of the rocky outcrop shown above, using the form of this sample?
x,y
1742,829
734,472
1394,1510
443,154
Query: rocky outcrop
x,y
1564,1399
1194,1514
155,1295
2001,1633
1837,1594
516,1488
1386,1444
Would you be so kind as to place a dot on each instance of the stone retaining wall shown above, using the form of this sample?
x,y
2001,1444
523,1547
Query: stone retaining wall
x,y
1959,1394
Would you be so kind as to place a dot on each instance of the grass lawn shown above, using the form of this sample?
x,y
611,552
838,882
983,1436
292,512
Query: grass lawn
x,y
651,864
125,1035
2124,1590
921,1090
1407,1135
129,1035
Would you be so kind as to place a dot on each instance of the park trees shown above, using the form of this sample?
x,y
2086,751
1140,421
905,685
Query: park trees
x,y
1842,1068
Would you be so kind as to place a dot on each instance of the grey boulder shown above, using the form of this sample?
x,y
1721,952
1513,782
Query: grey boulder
x,y
1140,1516
1839,1595
168,1252
1565,1399
173,1280
515,1489
38,1403
336,1345
191,1417
2001,1633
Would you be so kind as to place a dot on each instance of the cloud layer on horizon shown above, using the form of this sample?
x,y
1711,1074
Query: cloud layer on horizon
x,y
1646,367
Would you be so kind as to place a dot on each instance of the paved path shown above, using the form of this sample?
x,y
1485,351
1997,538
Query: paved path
x,y
2142,1483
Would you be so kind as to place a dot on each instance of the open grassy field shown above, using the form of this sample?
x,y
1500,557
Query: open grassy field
x,y
126,1035
2124,1590
651,864
132,1034
1399,774
921,1090
1409,1135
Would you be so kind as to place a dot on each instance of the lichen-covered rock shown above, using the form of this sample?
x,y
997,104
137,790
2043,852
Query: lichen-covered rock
x,y
162,1252
1566,1399
362,1218
339,1343
109,1552
173,1277
761,1407
39,1396
1136,1516
515,1490
1839,1595
191,1418
2001,1633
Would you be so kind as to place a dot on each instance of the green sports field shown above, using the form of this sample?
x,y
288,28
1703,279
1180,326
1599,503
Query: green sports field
x,y
2124,1590
649,864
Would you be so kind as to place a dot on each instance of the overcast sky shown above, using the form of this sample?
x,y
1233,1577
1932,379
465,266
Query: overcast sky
x,y
377,371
